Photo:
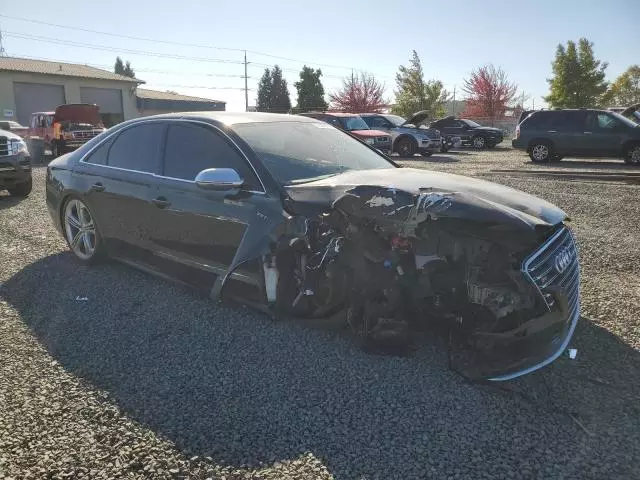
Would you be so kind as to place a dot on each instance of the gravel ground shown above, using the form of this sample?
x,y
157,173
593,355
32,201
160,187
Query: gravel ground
x,y
144,379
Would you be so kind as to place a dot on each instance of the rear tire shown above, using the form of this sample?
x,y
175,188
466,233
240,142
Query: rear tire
x,y
81,232
406,147
478,142
55,149
540,152
21,189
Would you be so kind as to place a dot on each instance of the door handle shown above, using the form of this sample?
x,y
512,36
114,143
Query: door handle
x,y
552,131
588,133
97,187
161,202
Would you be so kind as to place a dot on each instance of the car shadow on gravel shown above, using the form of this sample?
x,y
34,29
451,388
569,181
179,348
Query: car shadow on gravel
x,y
247,391
9,201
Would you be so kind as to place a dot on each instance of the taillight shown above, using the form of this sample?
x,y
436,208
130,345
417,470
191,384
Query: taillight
x,y
518,131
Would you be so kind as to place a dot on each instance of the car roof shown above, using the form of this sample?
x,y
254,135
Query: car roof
x,y
43,113
234,118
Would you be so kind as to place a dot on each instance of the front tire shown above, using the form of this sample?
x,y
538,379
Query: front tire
x,y
406,147
81,232
632,156
540,152
21,189
478,142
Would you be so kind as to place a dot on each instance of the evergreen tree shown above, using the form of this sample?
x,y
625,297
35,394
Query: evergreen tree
x,y
414,94
121,69
578,78
310,90
273,93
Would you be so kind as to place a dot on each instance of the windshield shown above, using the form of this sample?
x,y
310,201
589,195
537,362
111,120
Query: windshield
x,y
299,152
395,119
471,123
625,120
353,123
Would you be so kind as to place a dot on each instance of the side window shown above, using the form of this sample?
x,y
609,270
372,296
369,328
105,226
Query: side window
x,y
138,148
378,122
48,120
333,121
99,156
607,122
193,148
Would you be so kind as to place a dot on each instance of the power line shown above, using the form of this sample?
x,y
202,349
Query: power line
x,y
166,42
142,70
199,86
40,38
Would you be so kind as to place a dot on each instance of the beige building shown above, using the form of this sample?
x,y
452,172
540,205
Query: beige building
x,y
28,86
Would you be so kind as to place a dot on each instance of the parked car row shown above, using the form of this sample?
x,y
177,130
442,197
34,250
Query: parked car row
x,y
550,135
406,137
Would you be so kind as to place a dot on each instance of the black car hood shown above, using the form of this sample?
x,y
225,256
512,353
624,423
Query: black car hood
x,y
417,118
407,195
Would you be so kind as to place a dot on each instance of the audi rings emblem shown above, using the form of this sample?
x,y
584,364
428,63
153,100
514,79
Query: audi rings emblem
x,y
563,259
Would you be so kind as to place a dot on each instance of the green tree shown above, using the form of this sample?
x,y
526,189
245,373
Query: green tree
x,y
578,78
123,69
310,90
273,92
625,90
414,94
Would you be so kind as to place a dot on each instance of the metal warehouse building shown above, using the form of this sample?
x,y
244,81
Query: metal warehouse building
x,y
28,86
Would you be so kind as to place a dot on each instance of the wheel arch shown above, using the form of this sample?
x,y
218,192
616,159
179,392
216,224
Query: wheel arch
x,y
403,136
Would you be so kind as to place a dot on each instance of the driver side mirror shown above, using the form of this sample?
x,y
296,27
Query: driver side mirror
x,y
220,179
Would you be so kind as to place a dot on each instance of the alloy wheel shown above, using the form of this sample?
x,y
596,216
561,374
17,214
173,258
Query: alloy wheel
x,y
478,142
80,229
540,152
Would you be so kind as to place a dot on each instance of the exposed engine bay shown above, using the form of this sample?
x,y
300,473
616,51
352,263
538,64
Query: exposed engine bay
x,y
394,267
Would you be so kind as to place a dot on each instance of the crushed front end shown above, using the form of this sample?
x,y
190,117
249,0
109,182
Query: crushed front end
x,y
499,285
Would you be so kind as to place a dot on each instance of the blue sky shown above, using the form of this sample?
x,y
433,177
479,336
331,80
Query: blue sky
x,y
336,36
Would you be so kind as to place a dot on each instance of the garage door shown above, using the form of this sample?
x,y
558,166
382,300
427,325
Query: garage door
x,y
108,99
36,97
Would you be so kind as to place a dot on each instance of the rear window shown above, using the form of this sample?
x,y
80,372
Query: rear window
x,y
536,120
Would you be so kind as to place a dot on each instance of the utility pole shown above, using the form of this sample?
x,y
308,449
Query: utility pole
x,y
533,100
3,52
246,88
453,104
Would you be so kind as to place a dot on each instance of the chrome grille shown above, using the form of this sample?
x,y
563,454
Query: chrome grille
x,y
556,265
4,147
382,139
86,134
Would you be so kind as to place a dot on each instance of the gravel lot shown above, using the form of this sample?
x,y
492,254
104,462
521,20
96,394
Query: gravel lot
x,y
144,379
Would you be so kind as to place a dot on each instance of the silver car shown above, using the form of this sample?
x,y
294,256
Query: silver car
x,y
407,137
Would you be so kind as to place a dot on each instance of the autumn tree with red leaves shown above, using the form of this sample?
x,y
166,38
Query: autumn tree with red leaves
x,y
489,93
360,93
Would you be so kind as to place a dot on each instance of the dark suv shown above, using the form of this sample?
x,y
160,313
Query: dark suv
x,y
470,132
553,134
15,165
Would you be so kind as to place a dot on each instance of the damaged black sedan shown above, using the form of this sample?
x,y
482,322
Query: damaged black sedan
x,y
302,220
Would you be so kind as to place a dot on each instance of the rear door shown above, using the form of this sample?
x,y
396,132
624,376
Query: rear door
x,y
119,186
198,229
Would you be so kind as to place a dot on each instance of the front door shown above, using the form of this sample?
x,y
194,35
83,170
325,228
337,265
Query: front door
x,y
197,232
603,134
119,187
